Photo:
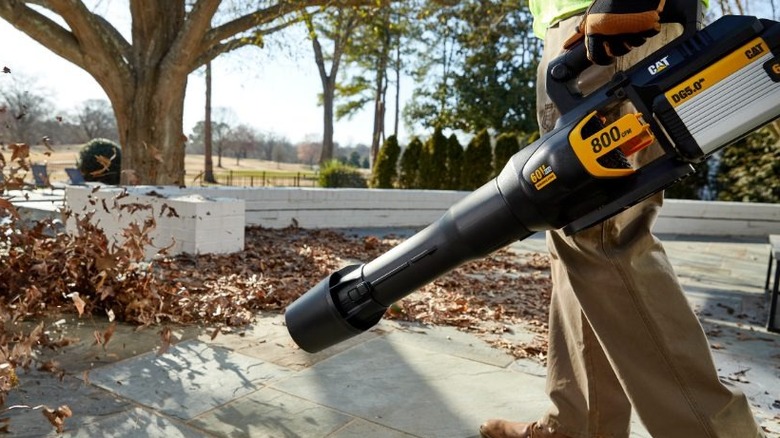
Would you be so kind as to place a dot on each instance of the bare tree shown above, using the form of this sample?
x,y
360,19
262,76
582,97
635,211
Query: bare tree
x,y
145,78
96,119
308,151
242,140
23,106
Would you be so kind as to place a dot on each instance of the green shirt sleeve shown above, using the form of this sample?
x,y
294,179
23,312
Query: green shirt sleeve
x,y
547,12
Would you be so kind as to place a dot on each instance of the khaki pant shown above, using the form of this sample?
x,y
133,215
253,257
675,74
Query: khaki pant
x,y
622,334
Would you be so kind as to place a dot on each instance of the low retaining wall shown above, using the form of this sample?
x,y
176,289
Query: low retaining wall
x,y
716,218
377,208
338,208
212,219
184,222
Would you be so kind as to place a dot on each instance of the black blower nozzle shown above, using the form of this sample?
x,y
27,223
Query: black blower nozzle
x,y
353,299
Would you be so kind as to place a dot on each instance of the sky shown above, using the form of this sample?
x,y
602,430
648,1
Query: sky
x,y
270,89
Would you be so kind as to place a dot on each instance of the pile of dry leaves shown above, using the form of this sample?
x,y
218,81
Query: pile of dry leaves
x,y
46,271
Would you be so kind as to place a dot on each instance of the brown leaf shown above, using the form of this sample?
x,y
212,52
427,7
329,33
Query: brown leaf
x,y
171,211
78,302
49,366
57,417
108,334
21,151
104,162
132,177
9,207
165,339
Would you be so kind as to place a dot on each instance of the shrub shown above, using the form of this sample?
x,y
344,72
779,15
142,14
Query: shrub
x,y
454,163
100,160
433,161
750,169
386,166
337,174
477,161
507,145
409,176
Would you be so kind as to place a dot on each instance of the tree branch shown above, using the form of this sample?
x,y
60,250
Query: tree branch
x,y
42,29
93,32
104,53
236,43
188,44
269,14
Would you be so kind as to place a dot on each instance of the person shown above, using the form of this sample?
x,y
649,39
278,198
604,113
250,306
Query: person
x,y
622,335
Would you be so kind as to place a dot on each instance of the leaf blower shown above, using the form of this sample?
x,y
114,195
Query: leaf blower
x,y
694,96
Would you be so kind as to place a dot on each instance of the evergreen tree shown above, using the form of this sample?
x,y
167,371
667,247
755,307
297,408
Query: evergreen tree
x,y
385,170
476,66
454,163
750,169
433,161
409,177
477,161
507,144
692,186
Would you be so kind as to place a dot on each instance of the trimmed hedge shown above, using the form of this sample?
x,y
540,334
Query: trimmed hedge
x,y
100,160
335,174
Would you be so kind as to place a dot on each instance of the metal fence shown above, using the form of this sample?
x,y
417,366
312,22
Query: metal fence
x,y
265,179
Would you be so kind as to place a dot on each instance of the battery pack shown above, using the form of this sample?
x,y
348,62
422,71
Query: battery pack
x,y
714,103
724,101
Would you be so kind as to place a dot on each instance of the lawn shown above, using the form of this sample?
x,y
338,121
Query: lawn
x,y
61,157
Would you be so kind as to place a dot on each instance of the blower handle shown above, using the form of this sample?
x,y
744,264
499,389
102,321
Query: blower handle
x,y
563,71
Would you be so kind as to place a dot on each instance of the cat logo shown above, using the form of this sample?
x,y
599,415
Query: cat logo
x,y
754,51
659,66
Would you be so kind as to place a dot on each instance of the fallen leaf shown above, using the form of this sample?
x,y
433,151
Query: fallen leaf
x,y
108,334
57,416
165,339
78,302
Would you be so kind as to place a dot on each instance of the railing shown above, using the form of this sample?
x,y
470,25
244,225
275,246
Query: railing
x,y
265,179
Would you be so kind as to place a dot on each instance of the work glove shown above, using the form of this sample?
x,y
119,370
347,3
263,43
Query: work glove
x,y
613,27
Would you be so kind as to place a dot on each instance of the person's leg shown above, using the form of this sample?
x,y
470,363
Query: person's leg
x,y
630,296
587,399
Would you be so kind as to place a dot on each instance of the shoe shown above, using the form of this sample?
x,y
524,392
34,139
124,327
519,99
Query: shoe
x,y
513,429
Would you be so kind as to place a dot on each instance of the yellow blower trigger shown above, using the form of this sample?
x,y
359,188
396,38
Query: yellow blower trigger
x,y
629,133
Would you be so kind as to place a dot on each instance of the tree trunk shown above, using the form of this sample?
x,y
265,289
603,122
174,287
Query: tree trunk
x,y
150,113
379,125
397,87
379,106
151,134
328,89
208,165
